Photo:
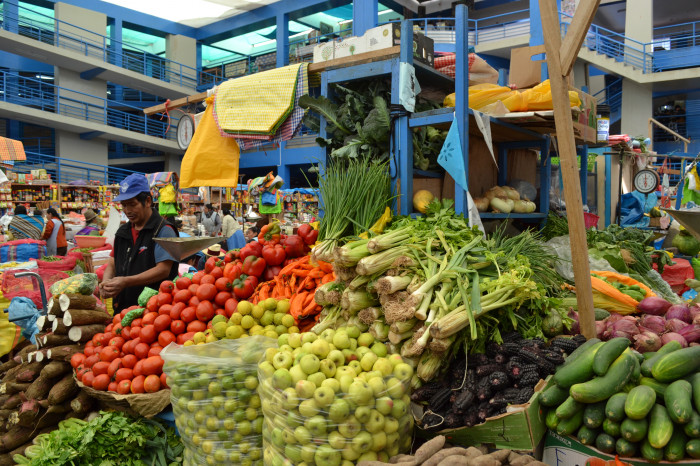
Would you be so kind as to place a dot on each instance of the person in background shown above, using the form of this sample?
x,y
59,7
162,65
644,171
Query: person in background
x,y
138,261
92,226
23,226
251,234
231,231
55,234
190,264
211,221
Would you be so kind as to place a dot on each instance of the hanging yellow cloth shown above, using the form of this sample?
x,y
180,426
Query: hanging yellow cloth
x,y
210,160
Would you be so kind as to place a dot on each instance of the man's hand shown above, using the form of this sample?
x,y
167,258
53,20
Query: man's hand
x,y
112,287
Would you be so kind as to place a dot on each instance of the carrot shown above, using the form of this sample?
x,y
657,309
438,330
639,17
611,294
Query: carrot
x,y
301,273
327,278
308,299
293,265
293,281
325,266
303,284
309,308
316,273
264,292
295,307
287,291
310,284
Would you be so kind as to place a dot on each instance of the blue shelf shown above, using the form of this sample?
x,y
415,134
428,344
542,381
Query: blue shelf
x,y
491,215
428,174
436,117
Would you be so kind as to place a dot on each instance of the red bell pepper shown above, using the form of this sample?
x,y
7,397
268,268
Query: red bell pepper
x,y
211,263
273,255
294,246
254,266
244,286
271,272
233,270
307,233
269,234
251,249
231,256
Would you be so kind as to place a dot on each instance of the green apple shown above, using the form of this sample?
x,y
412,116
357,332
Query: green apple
x,y
395,388
317,378
303,435
269,354
306,348
379,349
328,335
360,393
349,454
384,405
297,374
283,339
368,360
349,355
266,369
324,396
378,441
337,357
384,366
375,423
345,382
307,453
395,359
392,440
365,339
400,409
355,366
361,351
305,389
320,348
405,425
341,340
291,400
282,360
276,437
353,344
332,383
297,354
383,456
344,370
294,340
310,364
403,372
378,386
317,426
288,436
286,348
293,419
327,456
308,408
350,463
328,367
308,337
352,331
339,410
391,425
362,442
281,379
362,414
350,427
336,440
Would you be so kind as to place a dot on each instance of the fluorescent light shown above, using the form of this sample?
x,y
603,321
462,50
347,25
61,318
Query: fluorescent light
x,y
265,42
41,76
299,34
176,10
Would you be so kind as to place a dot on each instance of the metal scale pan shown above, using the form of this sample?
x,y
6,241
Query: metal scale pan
x,y
181,248
690,219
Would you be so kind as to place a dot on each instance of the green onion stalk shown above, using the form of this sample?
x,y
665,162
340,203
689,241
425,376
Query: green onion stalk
x,y
369,315
429,365
354,301
329,317
350,254
390,240
380,262
388,285
355,321
379,330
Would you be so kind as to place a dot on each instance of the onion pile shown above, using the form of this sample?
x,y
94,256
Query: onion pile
x,y
504,199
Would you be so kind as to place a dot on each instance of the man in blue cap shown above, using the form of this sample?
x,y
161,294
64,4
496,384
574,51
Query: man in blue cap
x,y
137,260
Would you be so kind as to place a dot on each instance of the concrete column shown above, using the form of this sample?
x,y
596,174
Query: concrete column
x,y
115,46
365,15
639,30
636,107
282,35
10,18
182,51
172,163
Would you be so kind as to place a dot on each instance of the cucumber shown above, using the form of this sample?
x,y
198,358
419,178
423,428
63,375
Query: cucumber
x,y
659,387
601,314
571,425
639,402
651,454
568,408
677,364
669,347
608,353
695,382
692,428
639,356
624,447
615,407
594,415
649,355
578,352
551,420
692,448
578,371
637,372
605,443
675,448
678,401
554,396
611,428
660,427
634,430
586,436
602,388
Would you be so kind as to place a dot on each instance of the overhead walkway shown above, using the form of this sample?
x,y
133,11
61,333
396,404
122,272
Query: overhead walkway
x,y
33,101
65,170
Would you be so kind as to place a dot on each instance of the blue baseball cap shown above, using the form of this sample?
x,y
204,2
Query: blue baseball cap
x,y
132,186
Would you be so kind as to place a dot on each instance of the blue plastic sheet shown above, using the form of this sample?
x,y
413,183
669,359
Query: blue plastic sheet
x,y
23,313
451,157
632,208
236,240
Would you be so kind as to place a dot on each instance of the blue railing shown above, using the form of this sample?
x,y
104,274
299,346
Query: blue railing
x,y
37,94
65,170
71,37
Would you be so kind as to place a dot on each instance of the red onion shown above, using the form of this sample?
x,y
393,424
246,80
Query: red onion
x,y
675,325
647,341
679,311
694,310
599,328
666,337
691,333
653,305
624,327
575,329
655,324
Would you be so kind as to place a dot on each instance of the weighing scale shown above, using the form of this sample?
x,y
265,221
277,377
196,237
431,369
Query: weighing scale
x,y
181,248
646,181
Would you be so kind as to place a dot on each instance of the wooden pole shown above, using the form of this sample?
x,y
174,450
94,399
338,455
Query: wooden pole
x,y
558,74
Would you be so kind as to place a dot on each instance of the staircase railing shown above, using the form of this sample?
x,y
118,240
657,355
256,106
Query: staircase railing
x,y
653,122
65,170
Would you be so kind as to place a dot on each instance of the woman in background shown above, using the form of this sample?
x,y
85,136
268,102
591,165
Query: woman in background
x,y
55,234
92,226
23,226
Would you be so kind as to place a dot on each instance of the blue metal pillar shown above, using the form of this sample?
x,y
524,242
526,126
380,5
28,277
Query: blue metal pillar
x,y
365,14
403,140
284,170
10,21
115,43
679,189
198,58
282,40
462,101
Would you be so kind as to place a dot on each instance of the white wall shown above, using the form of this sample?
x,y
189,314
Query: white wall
x,y
70,146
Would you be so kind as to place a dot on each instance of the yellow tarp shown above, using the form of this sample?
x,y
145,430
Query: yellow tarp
x,y
210,160
10,334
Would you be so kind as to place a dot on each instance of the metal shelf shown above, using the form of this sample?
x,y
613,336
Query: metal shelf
x,y
492,215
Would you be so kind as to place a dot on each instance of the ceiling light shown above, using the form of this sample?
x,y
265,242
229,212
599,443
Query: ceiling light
x,y
42,76
265,42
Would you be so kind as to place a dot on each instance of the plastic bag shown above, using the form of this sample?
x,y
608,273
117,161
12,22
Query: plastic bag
x,y
322,411
21,250
27,287
85,284
213,394
145,295
167,194
561,246
63,265
540,97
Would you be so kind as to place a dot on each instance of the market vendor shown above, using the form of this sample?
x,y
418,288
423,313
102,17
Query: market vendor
x,y
23,226
137,260
92,226
211,221
55,234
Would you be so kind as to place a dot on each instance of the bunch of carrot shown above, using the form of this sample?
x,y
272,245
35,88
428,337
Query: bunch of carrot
x,y
297,282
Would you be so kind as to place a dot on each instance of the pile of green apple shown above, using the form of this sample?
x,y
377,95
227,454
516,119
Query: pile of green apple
x,y
333,399
215,401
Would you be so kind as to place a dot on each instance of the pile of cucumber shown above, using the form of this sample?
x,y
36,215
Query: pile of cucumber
x,y
621,402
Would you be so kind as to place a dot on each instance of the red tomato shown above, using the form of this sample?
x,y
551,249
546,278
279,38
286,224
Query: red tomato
x,y
197,277
217,272
114,367
117,319
80,371
124,374
152,384
77,359
205,311
182,296
161,323
97,339
126,333
87,379
129,361
206,292
196,326
193,288
124,387
165,338
100,368
178,327
138,368
155,350
148,318
152,304
183,337
176,310
137,384
221,298
123,313
89,351
194,301
137,322
112,387
89,343
117,341
220,312
230,307
117,329
148,334
109,328
163,380
208,280
153,365
188,314
91,360
223,284
106,337
183,283
166,287
164,298
141,351
209,325
109,353
101,382
135,332
164,309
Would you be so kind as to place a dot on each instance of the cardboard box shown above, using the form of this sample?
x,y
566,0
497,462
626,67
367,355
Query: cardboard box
x,y
589,108
521,429
389,35
434,185
568,450
350,46
525,72
324,51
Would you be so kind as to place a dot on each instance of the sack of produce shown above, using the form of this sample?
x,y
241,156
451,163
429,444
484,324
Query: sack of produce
x,y
334,398
213,393
84,283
